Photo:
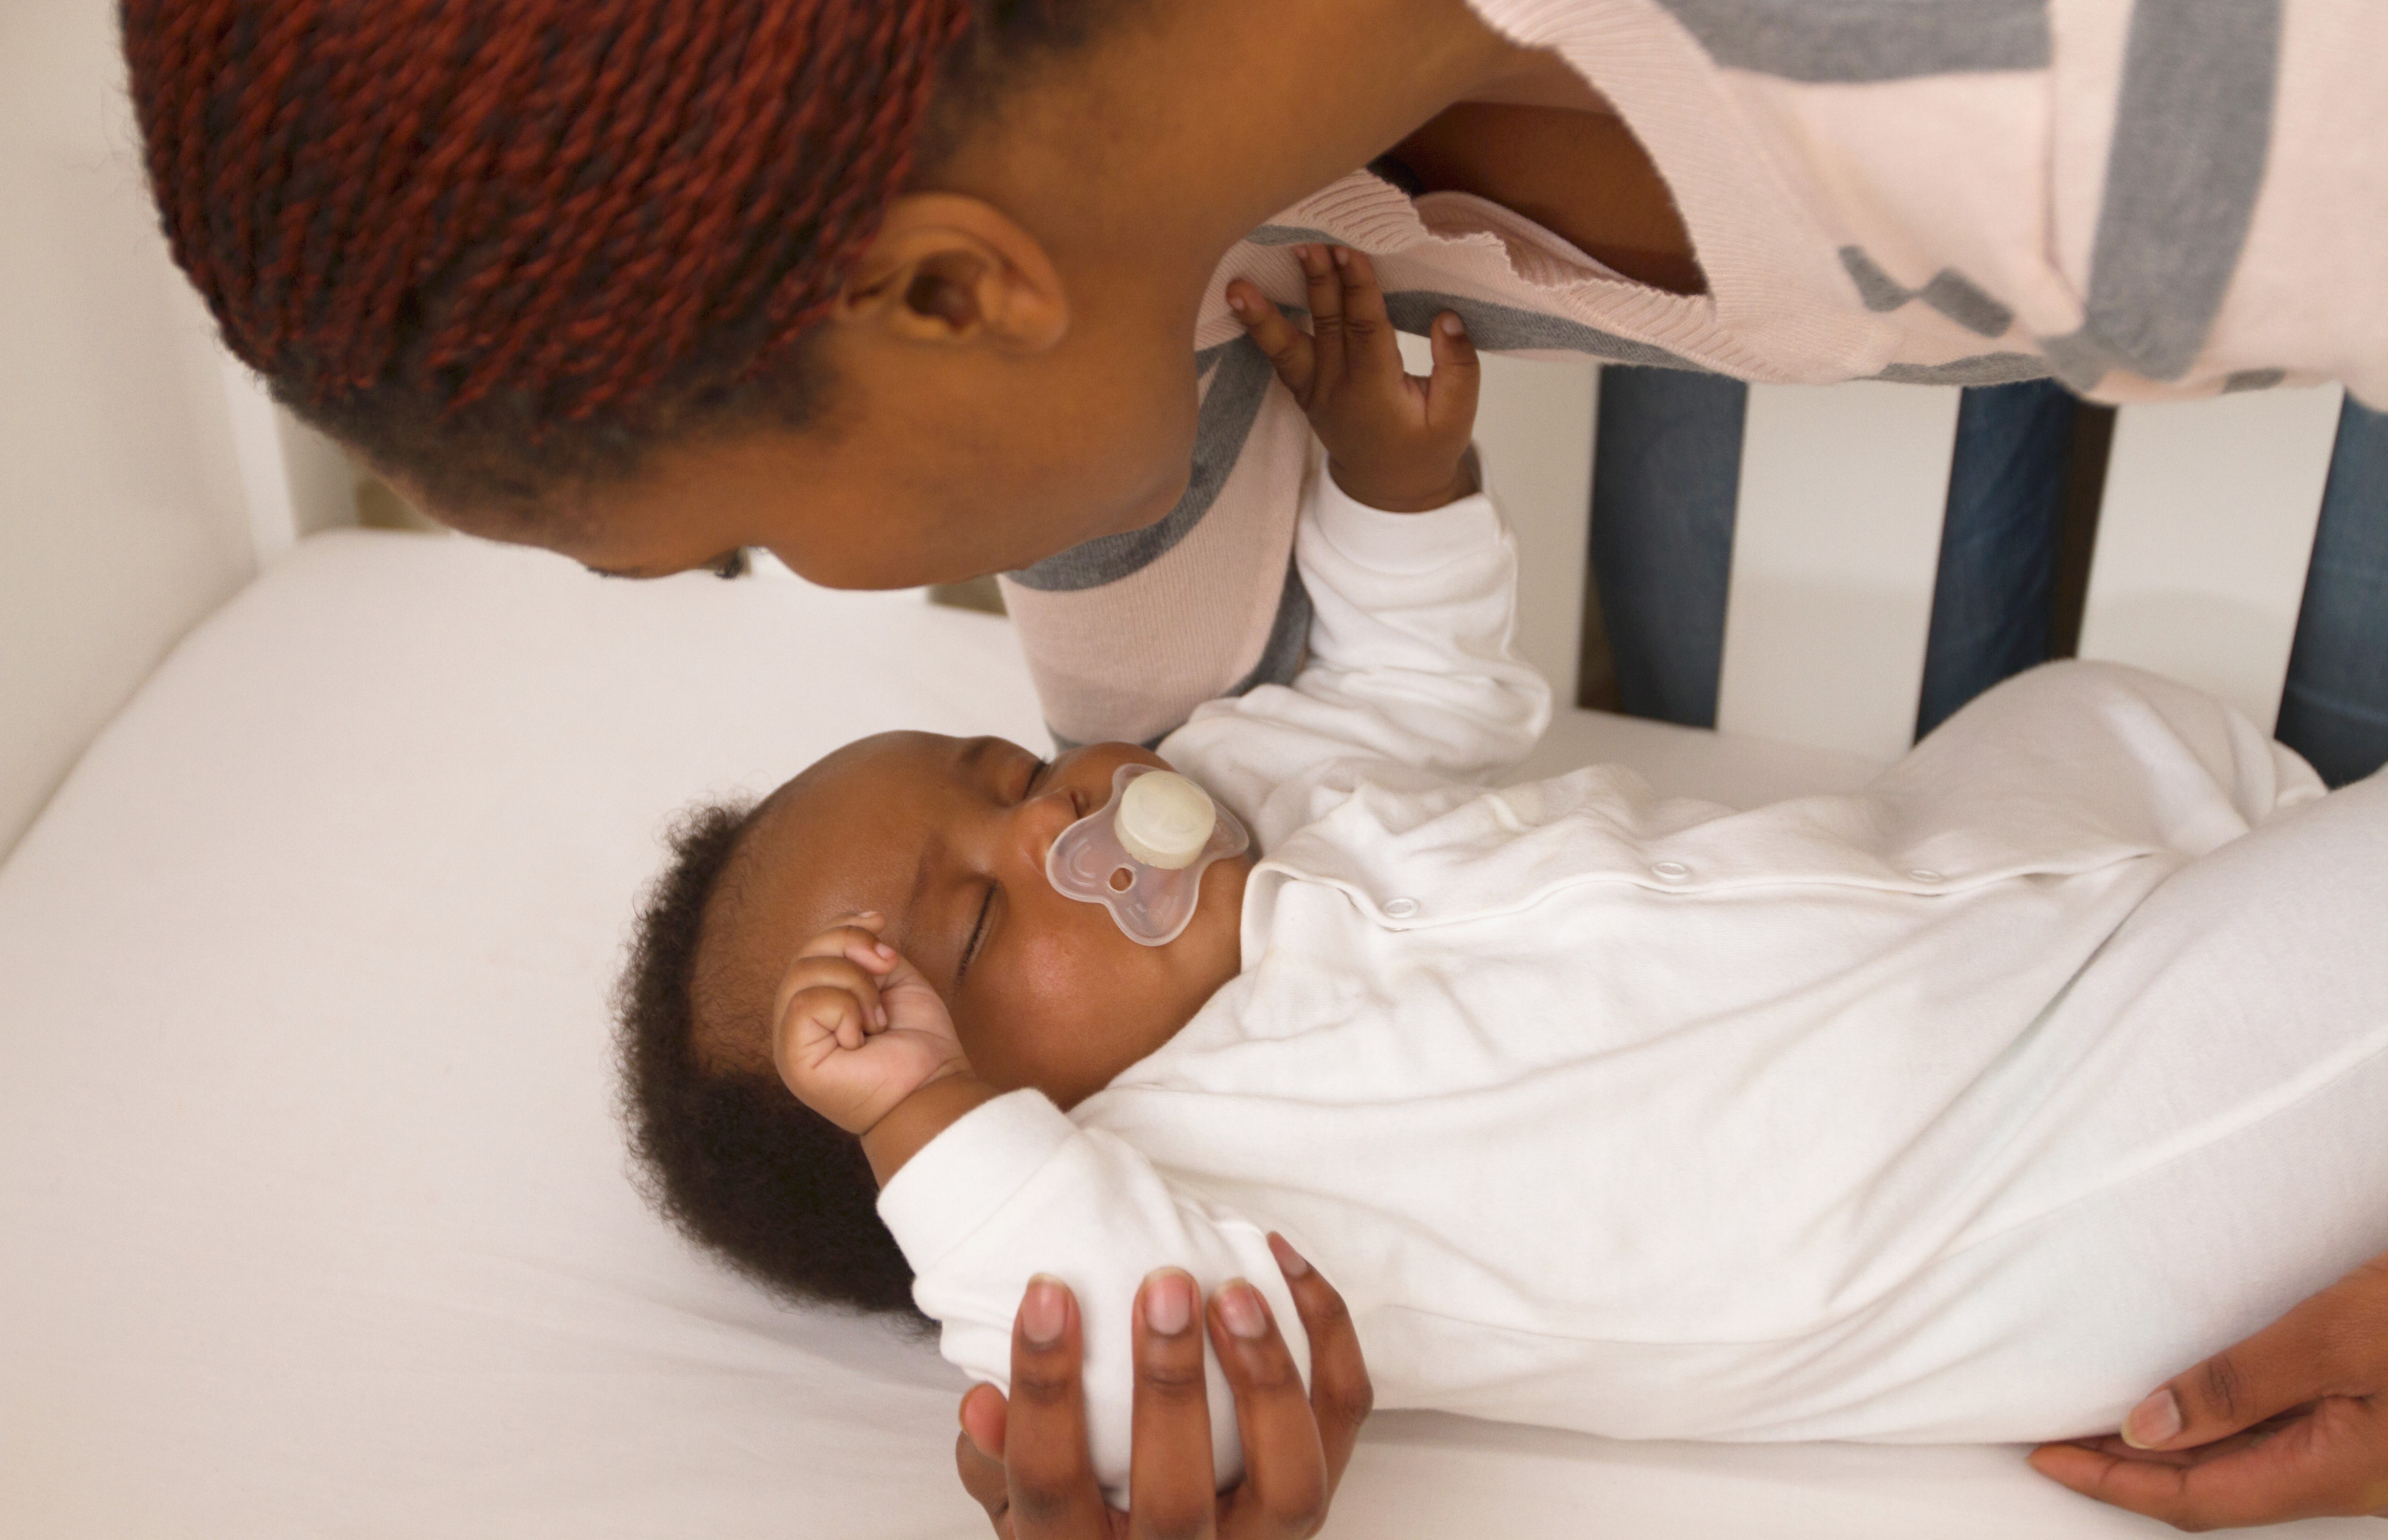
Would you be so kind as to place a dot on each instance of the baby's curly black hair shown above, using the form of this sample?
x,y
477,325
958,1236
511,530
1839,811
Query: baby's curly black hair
x,y
734,1160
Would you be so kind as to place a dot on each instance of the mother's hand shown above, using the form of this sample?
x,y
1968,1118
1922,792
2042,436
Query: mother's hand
x,y
2291,1423
1026,1462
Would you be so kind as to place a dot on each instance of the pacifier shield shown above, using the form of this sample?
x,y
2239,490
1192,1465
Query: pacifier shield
x,y
1142,855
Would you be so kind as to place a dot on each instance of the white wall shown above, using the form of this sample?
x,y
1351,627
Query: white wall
x,y
122,515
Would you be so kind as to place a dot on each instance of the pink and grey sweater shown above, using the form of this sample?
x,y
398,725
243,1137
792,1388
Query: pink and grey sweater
x,y
2147,199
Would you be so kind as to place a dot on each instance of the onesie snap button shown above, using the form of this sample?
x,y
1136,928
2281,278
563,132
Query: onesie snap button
x,y
1400,908
1924,874
1670,871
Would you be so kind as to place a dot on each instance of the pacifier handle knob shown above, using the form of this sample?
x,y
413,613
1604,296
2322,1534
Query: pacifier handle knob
x,y
1166,820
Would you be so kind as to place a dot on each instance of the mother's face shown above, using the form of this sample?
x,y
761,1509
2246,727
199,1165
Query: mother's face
x,y
977,419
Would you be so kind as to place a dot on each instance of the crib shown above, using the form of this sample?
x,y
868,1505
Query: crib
x,y
321,841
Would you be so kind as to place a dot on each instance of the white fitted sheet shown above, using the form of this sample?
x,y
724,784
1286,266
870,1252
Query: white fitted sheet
x,y
313,1208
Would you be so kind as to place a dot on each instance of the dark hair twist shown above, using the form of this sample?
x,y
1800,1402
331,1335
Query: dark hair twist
x,y
444,225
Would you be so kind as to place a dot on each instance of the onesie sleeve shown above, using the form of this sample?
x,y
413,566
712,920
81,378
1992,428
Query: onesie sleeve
x,y
1413,671
1013,1189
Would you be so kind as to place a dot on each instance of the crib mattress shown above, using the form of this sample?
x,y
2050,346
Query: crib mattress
x,y
316,1216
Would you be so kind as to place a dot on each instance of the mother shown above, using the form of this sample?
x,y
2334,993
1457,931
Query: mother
x,y
907,290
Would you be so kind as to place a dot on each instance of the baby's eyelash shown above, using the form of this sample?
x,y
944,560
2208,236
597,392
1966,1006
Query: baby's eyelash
x,y
978,934
986,905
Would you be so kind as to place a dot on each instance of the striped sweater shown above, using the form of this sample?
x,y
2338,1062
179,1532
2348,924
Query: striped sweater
x,y
2147,200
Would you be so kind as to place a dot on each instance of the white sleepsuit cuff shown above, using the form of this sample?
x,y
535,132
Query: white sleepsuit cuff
x,y
1405,544
968,1172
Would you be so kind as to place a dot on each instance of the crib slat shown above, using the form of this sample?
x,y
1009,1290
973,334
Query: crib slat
x,y
2204,536
1837,541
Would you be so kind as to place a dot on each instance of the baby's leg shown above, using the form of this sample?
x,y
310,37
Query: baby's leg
x,y
2215,1151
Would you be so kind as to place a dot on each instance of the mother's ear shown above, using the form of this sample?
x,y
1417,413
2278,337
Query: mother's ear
x,y
950,271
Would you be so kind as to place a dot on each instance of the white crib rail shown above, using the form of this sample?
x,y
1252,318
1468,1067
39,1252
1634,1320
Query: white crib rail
x,y
1836,538
2206,527
2204,537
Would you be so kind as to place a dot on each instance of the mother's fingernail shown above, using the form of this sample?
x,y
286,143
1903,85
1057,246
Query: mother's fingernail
x,y
1168,1302
1044,1311
2154,1421
1239,1307
1289,1261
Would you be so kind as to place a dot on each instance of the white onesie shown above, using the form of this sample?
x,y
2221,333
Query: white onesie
x,y
1909,1114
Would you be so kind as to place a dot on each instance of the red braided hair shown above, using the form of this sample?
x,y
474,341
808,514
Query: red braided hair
x,y
418,215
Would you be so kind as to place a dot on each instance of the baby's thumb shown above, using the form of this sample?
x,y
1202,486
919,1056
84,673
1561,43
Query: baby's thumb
x,y
1451,388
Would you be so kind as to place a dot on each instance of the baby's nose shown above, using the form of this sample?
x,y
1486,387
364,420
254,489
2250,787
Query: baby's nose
x,y
1040,820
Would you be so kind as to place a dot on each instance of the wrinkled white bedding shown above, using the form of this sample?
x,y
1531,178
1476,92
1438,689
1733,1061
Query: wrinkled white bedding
x,y
313,1215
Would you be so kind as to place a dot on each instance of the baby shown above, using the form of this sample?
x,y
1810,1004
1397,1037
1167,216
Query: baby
x,y
1966,1106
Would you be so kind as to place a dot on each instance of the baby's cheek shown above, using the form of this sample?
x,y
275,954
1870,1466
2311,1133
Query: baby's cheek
x,y
1078,1002
1012,1019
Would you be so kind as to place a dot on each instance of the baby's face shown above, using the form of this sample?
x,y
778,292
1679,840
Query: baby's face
x,y
946,837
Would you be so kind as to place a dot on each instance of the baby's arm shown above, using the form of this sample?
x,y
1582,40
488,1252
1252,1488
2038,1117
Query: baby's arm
x,y
983,1191
1015,1189
1413,668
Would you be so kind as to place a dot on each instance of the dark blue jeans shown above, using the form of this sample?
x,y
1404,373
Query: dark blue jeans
x,y
2334,710
1664,483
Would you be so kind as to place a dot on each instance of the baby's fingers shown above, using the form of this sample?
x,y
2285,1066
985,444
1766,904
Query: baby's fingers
x,y
819,1022
1286,345
856,937
806,975
1451,388
1370,347
1322,283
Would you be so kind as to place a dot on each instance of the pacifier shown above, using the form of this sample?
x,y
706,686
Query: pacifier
x,y
1142,855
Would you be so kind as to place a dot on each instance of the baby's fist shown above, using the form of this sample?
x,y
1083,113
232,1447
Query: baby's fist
x,y
855,1028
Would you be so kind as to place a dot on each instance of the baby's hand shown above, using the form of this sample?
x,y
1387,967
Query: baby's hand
x,y
1393,441
855,1029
